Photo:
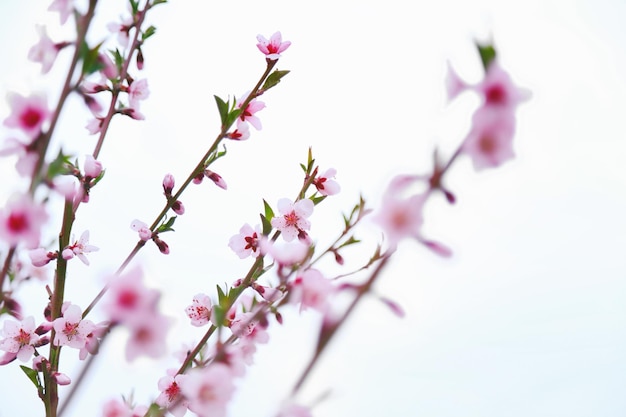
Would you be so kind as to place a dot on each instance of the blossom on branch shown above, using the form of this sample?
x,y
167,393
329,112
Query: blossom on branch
x,y
71,330
208,390
21,221
80,248
325,184
293,220
200,310
246,243
45,51
19,338
272,47
28,113
248,114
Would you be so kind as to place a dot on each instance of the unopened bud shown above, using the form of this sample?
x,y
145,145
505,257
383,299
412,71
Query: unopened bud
x,y
178,207
163,247
216,178
168,184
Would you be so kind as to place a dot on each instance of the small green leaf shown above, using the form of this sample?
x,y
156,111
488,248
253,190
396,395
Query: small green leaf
x,y
273,79
232,116
167,226
351,241
32,375
61,165
91,62
221,296
222,107
148,32
317,200
158,2
487,54
266,225
269,213
134,5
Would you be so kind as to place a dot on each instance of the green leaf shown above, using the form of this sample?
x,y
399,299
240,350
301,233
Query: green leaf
x,y
222,107
61,165
91,62
221,296
167,226
273,79
232,116
317,200
351,241
487,54
269,213
32,375
158,2
148,32
266,225
134,5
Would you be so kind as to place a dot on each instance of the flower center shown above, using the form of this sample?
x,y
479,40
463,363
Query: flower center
x,y
30,118
17,222
291,219
23,338
495,94
487,144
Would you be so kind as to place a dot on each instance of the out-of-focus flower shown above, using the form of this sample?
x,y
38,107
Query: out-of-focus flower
x,y
21,221
208,389
28,113
45,51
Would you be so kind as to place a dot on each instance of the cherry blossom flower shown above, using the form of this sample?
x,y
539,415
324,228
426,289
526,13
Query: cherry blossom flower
x,y
216,178
325,185
242,132
246,325
92,340
148,331
137,92
208,390
93,168
28,113
490,141
70,329
293,220
295,410
80,248
248,114
312,289
21,221
128,297
40,257
286,254
45,51
142,229
272,47
171,395
454,84
200,310
95,125
246,243
19,338
116,408
64,7
400,217
497,88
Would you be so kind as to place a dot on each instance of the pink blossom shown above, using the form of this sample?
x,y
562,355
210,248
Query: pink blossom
x,y
80,248
490,140
295,410
26,157
128,297
64,7
148,331
312,289
498,90
40,257
93,168
286,254
242,132
137,92
19,338
142,229
45,51
200,310
171,396
293,221
216,178
116,408
400,217
454,84
92,340
325,184
246,242
272,47
95,125
61,379
168,184
208,390
248,326
21,221
248,114
71,330
28,113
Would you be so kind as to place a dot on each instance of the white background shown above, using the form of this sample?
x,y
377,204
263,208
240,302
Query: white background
x,y
527,319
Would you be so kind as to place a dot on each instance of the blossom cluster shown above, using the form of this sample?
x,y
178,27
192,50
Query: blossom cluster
x,y
286,270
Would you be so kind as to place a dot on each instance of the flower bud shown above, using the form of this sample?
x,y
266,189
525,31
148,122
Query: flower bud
x,y
93,168
168,184
216,178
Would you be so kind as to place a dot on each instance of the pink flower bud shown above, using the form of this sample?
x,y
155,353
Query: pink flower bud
x,y
216,178
67,254
93,168
40,257
198,178
178,208
163,247
61,379
168,184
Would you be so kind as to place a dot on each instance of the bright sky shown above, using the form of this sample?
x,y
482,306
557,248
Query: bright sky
x,y
527,319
